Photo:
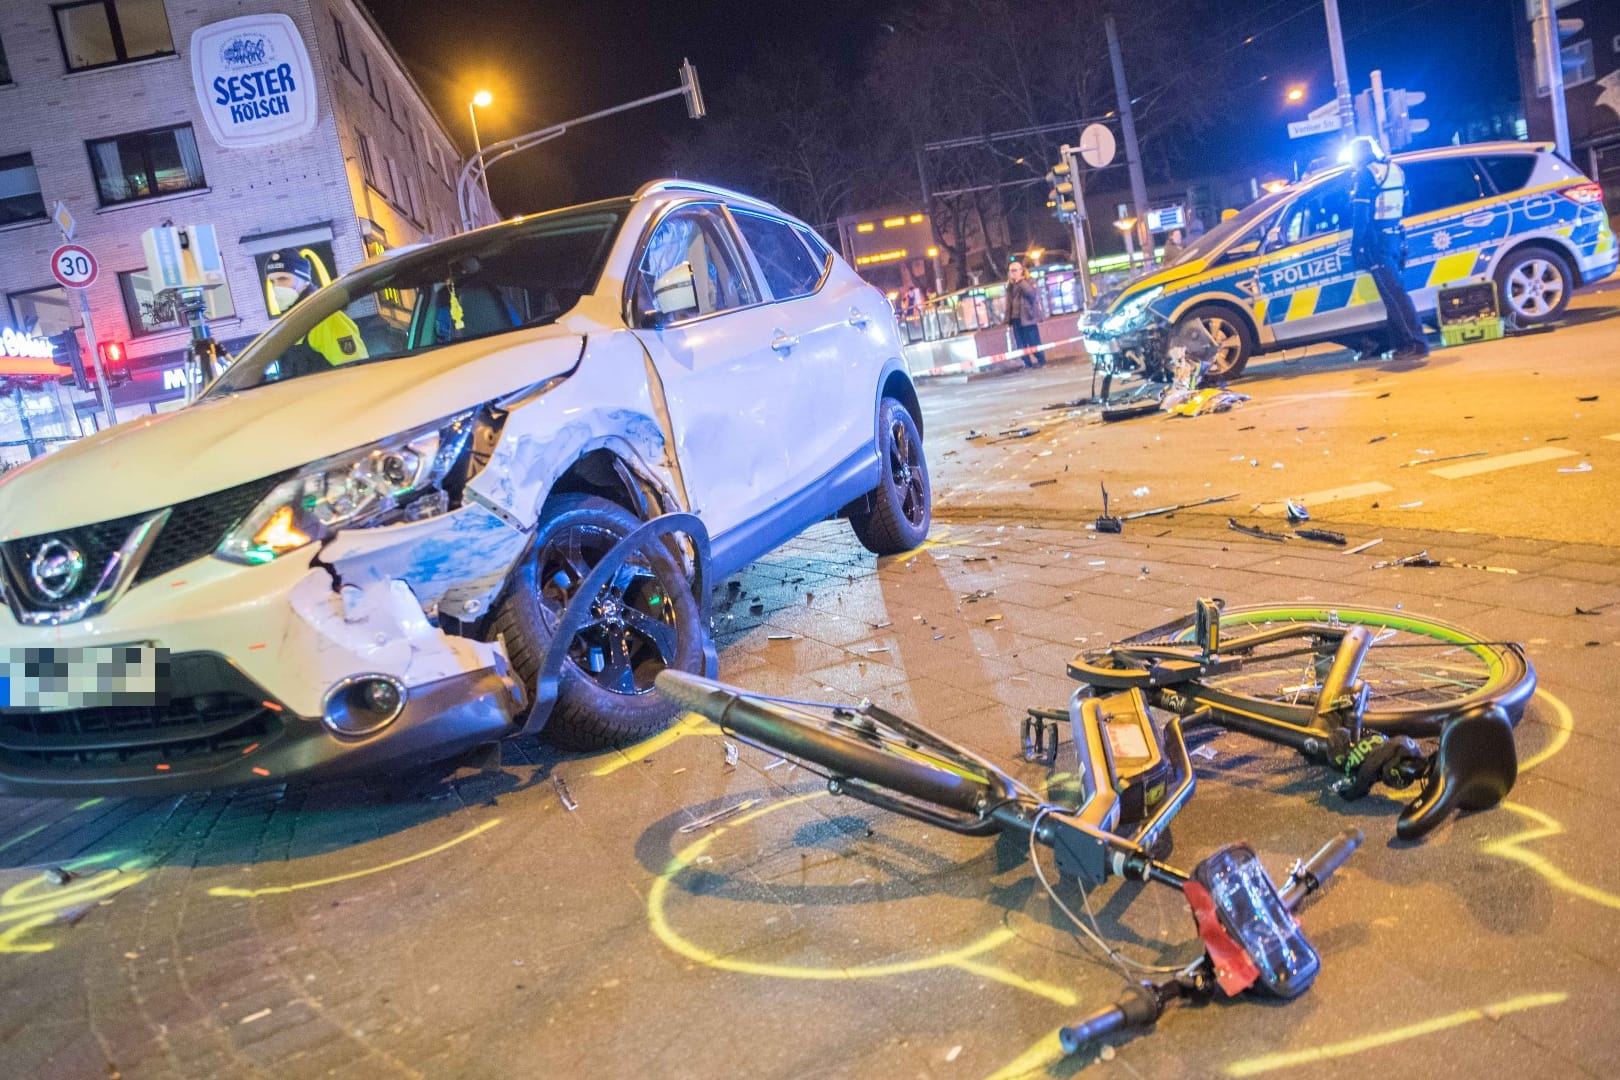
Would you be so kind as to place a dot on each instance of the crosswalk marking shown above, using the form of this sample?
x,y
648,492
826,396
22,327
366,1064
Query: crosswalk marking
x,y
1501,461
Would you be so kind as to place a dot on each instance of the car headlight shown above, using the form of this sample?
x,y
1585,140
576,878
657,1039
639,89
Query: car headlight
x,y
392,480
1130,312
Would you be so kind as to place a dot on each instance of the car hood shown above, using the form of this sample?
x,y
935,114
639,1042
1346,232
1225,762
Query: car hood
x,y
219,443
1166,277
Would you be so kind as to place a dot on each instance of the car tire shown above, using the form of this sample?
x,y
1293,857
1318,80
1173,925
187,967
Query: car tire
x,y
1534,284
897,512
1231,332
652,621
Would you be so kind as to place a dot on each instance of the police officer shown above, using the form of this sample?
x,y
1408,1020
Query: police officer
x,y
334,340
1378,243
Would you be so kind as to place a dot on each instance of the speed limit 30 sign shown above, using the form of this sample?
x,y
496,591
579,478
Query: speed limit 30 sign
x,y
73,266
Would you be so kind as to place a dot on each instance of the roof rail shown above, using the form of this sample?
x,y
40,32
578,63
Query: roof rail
x,y
652,187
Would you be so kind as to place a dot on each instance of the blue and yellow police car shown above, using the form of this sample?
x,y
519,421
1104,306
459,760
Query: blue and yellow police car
x,y
1279,273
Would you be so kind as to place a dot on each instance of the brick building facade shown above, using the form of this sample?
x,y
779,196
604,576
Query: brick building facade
x,y
101,114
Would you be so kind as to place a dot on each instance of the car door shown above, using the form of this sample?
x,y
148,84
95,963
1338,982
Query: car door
x,y
1307,280
825,362
698,311
1451,228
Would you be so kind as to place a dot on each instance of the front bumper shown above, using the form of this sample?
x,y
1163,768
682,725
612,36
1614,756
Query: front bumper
x,y
226,732
254,652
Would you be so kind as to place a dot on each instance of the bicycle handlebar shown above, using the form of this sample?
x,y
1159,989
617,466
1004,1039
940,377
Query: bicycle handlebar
x,y
1316,870
1139,1006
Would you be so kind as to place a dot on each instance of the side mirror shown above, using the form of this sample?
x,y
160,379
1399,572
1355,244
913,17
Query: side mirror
x,y
675,291
1274,239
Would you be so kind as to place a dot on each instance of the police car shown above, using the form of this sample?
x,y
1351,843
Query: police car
x,y
1279,274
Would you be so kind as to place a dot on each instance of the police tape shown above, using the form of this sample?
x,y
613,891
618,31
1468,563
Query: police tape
x,y
966,367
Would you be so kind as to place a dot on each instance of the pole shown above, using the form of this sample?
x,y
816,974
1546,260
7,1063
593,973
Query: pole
x,y
1341,70
1082,258
1133,155
95,358
1551,62
478,150
1380,114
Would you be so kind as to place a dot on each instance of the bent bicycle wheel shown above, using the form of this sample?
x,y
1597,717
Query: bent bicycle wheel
x,y
1421,671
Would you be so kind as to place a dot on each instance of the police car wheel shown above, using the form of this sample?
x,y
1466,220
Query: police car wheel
x,y
1534,284
1233,339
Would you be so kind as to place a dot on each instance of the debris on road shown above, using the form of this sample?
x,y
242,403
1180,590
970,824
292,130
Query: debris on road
x,y
1585,466
1420,559
1436,460
718,815
1041,483
1161,510
1255,531
562,793
1129,412
1295,511
1592,397
58,876
1105,522
1323,536
975,596
781,637
1359,548
1410,505
1200,402
731,752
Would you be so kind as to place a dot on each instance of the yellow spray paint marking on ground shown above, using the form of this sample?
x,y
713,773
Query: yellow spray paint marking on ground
x,y
276,890
965,958
937,541
693,724
35,903
1269,1062
1036,1058
1545,825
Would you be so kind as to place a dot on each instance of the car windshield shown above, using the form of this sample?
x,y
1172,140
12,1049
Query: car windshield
x,y
489,282
1232,226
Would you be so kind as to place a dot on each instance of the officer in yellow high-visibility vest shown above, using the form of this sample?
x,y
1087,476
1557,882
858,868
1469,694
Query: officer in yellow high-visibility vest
x,y
335,339
1377,241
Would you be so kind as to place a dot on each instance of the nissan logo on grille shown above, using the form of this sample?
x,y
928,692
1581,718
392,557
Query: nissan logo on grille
x,y
56,569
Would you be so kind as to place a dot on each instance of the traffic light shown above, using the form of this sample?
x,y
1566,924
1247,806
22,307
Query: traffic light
x,y
692,92
1402,124
114,361
1060,193
65,352
1571,58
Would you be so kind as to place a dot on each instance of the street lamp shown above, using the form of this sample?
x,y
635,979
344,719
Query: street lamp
x,y
1296,94
1127,226
481,99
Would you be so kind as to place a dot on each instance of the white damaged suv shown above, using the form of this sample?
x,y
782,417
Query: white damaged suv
x,y
354,558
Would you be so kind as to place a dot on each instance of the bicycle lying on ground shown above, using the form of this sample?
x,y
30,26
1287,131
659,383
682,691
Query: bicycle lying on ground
x,y
1291,675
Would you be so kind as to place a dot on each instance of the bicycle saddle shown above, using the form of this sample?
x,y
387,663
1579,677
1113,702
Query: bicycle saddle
x,y
1473,769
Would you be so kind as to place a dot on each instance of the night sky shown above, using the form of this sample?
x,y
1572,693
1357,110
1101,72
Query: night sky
x,y
550,60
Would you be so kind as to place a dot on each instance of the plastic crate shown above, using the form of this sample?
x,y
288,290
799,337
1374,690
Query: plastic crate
x,y
1467,304
1467,331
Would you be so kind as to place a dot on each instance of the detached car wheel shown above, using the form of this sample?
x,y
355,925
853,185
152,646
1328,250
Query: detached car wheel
x,y
897,512
1233,340
643,621
1534,284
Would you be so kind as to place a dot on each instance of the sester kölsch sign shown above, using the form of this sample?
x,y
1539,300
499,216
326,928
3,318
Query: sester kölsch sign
x,y
254,80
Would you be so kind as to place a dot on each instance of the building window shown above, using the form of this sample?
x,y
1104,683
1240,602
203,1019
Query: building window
x,y
343,46
42,312
415,201
395,187
140,305
146,164
371,82
20,199
5,68
98,33
368,162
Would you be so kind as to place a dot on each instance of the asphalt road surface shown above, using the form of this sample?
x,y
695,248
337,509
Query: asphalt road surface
x,y
473,925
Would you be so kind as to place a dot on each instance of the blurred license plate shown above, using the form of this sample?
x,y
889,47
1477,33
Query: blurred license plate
x,y
47,680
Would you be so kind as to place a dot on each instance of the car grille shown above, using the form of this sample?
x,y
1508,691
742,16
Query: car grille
x,y
214,712
194,529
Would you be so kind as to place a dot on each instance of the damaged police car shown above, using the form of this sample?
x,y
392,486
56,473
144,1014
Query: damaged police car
x,y
352,551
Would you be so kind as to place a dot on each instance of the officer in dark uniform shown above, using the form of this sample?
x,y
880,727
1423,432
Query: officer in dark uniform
x,y
1378,243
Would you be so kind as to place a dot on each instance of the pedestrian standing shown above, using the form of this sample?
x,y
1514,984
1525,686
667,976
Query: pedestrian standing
x,y
1378,243
1024,314
1173,247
